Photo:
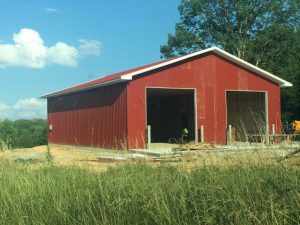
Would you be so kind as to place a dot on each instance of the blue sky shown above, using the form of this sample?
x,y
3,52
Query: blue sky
x,y
52,44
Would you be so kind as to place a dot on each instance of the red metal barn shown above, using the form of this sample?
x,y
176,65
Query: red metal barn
x,y
204,92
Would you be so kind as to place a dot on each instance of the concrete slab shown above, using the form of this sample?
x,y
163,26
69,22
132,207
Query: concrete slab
x,y
113,156
163,145
165,151
254,146
237,147
158,152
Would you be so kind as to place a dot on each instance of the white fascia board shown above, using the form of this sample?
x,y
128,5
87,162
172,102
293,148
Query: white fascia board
x,y
220,52
130,75
109,82
251,67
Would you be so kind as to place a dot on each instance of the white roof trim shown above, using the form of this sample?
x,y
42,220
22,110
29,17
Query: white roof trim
x,y
226,55
251,67
218,51
105,83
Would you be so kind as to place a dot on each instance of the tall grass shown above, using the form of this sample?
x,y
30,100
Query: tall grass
x,y
144,194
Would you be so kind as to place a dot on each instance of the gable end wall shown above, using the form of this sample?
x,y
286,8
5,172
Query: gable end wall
x,y
211,76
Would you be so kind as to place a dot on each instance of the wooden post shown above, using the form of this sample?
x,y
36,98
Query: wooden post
x,y
148,136
273,138
267,119
273,129
202,134
267,134
229,134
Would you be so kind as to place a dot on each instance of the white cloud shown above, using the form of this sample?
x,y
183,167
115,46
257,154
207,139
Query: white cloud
x,y
52,10
89,47
27,108
29,50
4,110
63,54
3,106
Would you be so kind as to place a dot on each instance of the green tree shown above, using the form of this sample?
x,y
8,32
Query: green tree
x,y
23,133
264,33
276,50
8,133
230,24
31,133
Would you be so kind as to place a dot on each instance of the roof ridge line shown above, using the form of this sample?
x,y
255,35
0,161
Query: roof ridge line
x,y
152,66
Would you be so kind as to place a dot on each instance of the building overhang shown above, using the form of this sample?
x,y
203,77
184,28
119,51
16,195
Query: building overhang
x,y
129,76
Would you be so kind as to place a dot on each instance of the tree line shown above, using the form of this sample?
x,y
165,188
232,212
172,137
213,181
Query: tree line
x,y
264,33
23,133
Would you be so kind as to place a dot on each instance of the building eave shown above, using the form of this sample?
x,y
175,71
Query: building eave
x,y
129,76
106,83
224,54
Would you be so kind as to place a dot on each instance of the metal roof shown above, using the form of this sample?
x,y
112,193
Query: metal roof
x,y
129,74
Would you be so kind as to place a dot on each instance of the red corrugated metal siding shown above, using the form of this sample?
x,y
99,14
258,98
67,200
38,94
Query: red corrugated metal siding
x,y
96,117
211,76
110,77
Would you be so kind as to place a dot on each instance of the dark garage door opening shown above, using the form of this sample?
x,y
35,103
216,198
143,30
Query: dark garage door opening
x,y
246,112
169,112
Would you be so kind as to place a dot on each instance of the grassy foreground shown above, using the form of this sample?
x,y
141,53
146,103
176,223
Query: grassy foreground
x,y
145,194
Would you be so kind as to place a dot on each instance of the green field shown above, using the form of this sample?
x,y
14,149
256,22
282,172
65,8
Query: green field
x,y
141,193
